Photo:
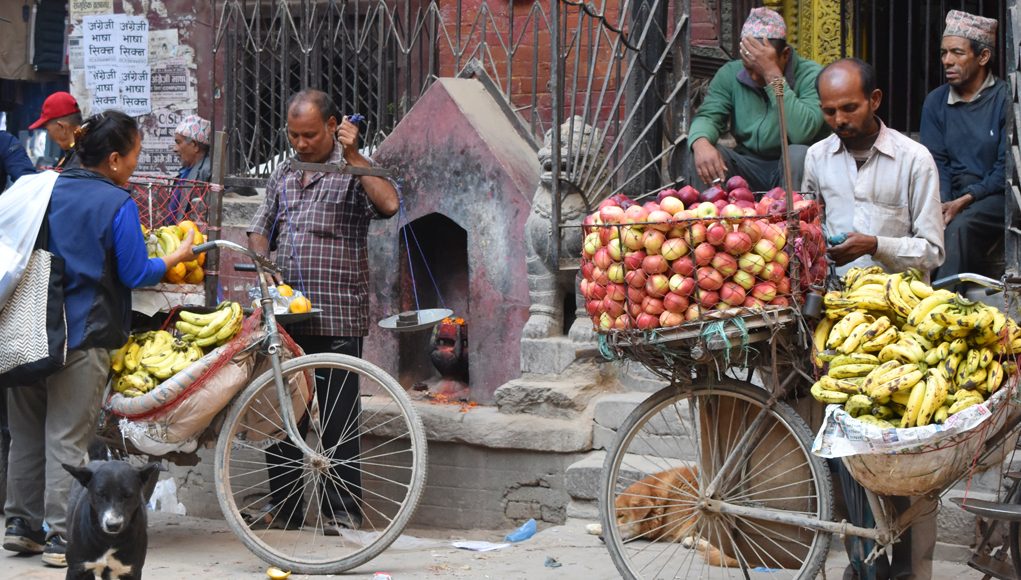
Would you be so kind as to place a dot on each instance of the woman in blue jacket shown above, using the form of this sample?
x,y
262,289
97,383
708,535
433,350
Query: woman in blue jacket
x,y
94,227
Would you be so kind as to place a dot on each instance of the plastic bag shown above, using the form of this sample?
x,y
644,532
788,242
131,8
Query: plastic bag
x,y
22,208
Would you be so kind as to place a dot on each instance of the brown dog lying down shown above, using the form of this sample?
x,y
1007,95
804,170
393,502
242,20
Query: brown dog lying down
x,y
661,506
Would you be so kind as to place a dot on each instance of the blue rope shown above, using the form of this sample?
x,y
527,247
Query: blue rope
x,y
425,262
718,328
604,348
290,226
407,247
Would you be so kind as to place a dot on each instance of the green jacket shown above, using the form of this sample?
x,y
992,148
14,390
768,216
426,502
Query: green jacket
x,y
751,111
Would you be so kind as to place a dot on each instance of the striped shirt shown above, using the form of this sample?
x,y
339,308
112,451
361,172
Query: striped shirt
x,y
319,232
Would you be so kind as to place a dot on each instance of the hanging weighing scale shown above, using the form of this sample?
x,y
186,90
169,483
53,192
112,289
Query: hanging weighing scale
x,y
411,320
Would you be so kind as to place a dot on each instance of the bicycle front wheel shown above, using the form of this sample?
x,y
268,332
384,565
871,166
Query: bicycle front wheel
x,y
337,509
683,456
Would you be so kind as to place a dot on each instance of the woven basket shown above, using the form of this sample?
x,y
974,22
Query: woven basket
x,y
931,468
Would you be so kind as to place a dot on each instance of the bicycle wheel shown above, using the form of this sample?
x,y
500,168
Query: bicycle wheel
x,y
682,454
372,468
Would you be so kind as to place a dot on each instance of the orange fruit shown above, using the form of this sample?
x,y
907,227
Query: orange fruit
x,y
300,304
194,276
285,290
202,259
176,274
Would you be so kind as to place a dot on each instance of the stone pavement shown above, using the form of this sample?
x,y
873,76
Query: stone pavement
x,y
187,547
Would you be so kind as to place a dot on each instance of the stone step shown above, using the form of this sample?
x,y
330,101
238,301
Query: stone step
x,y
633,376
583,477
547,396
609,413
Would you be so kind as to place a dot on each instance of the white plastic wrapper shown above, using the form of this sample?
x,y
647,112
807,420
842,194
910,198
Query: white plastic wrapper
x,y
22,208
842,435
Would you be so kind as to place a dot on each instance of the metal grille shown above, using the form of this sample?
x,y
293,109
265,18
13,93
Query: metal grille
x,y
901,39
621,68
1012,239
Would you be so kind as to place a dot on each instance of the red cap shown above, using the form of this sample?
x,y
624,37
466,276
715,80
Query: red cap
x,y
56,106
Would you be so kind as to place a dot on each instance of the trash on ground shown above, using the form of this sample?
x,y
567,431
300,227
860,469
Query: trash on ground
x,y
527,530
478,545
594,529
552,562
381,576
276,573
164,498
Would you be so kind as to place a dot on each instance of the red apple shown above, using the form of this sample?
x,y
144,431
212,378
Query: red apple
x,y
586,269
612,307
708,278
736,182
737,243
741,194
591,244
657,285
780,301
652,306
674,302
773,272
636,295
622,322
751,229
695,235
647,321
633,260
693,312
614,248
732,294
712,194
590,223
611,214
671,204
708,299
774,232
615,291
764,291
602,258
615,273
720,204
594,308
605,321
783,286
682,285
782,259
665,193
732,212
655,264
743,279
753,302
599,276
764,248
715,233
688,195
684,266
707,210
673,249
635,214
650,206
631,237
634,309
704,253
668,319
661,220
652,240
776,193
608,233
751,263
596,291
636,278
725,264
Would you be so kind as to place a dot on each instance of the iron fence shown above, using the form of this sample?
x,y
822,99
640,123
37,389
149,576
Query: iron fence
x,y
618,67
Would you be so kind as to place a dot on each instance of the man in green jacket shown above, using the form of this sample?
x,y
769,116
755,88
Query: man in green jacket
x,y
740,96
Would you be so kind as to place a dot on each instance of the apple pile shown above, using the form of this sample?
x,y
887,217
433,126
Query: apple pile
x,y
670,261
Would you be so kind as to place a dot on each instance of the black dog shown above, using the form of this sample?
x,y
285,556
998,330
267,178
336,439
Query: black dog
x,y
107,536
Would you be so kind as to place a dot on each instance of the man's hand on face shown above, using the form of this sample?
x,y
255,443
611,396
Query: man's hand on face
x,y
855,246
952,208
708,162
761,59
347,136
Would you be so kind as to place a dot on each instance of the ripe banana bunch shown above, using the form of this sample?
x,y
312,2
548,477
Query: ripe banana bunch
x,y
212,329
148,358
896,352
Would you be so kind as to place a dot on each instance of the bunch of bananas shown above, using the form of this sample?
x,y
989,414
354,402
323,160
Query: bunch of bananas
x,y
165,240
212,329
897,353
149,358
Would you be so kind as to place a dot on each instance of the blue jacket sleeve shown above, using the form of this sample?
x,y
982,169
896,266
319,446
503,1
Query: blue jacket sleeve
x,y
134,267
15,161
995,181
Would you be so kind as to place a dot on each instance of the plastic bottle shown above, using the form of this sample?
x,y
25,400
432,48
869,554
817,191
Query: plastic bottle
x,y
527,530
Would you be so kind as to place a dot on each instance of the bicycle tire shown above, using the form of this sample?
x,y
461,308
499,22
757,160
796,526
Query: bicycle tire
x,y
397,465
1015,548
659,508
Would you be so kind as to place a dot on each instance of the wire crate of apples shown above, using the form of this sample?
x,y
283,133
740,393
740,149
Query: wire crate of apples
x,y
675,260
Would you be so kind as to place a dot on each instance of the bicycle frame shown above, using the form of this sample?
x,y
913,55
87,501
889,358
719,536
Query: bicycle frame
x,y
272,340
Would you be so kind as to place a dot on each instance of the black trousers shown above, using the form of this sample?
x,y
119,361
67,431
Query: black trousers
x,y
339,408
970,235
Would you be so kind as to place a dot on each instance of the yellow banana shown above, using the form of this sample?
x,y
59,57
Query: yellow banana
x,y
936,389
213,326
994,376
187,328
975,380
940,300
901,383
117,356
131,357
857,405
897,304
900,397
829,397
876,421
914,405
921,289
851,371
854,338
962,404
901,352
906,295
959,346
938,354
231,328
822,332
841,329
888,336
876,328
828,383
941,414
874,377
985,357
834,299
865,278
868,298
203,319
853,358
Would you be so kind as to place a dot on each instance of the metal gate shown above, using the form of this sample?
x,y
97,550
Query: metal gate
x,y
619,67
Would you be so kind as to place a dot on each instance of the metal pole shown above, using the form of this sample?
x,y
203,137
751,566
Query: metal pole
x,y
214,216
793,223
557,86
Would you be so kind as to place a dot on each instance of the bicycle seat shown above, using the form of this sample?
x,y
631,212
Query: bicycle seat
x,y
992,510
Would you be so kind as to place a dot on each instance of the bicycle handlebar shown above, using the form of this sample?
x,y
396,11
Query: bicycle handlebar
x,y
258,260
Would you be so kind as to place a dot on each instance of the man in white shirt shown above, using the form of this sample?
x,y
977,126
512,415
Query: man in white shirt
x,y
881,190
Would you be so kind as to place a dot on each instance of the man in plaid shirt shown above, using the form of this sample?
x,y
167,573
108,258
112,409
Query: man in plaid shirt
x,y
318,225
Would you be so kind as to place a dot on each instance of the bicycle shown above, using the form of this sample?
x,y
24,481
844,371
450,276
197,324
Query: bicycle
x,y
752,490
384,477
